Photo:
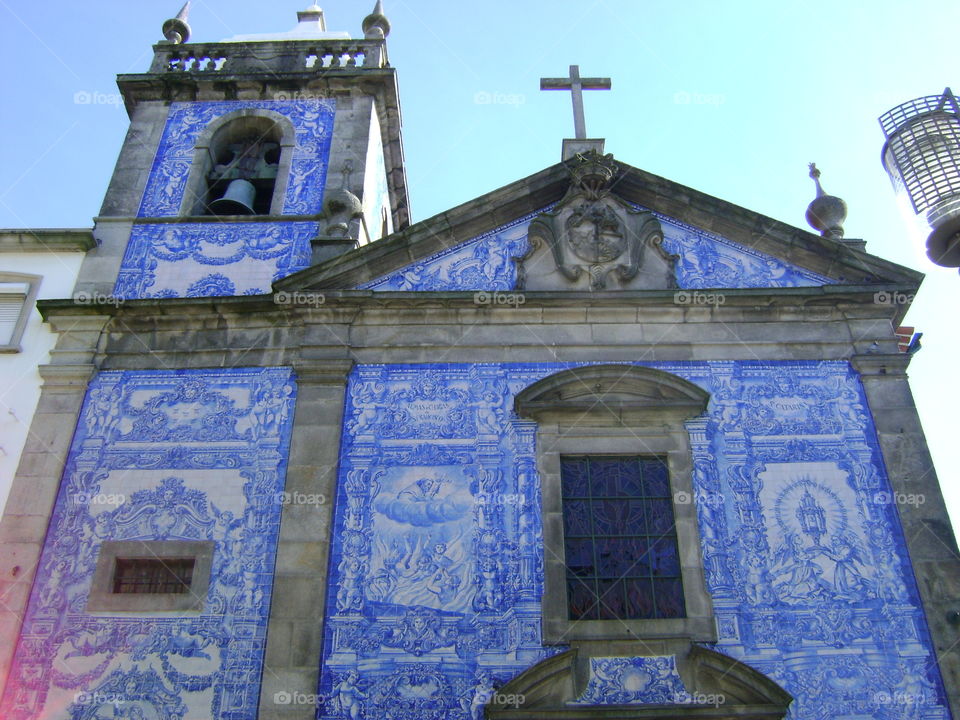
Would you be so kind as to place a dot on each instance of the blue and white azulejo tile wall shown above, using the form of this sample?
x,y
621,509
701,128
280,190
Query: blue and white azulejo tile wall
x,y
189,455
189,259
212,259
437,568
312,120
436,574
704,260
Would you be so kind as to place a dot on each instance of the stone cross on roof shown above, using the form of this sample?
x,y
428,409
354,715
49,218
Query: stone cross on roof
x,y
576,85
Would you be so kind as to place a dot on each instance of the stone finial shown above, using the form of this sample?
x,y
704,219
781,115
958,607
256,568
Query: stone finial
x,y
826,213
340,207
375,25
342,220
176,30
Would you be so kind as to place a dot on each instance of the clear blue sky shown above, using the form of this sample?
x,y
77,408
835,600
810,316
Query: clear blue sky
x,y
731,98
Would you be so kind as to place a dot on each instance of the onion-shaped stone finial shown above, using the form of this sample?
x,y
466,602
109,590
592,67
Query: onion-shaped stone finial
x,y
375,25
176,30
826,213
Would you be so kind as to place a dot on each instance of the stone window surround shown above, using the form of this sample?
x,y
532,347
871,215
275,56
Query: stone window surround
x,y
103,599
617,410
29,300
196,186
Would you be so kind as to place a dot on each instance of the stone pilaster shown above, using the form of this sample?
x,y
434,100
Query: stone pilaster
x,y
35,486
33,494
923,515
294,634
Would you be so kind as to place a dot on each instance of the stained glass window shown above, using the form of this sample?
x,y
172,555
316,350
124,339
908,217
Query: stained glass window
x,y
620,539
147,575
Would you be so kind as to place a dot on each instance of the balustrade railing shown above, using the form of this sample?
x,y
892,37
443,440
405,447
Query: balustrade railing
x,y
279,57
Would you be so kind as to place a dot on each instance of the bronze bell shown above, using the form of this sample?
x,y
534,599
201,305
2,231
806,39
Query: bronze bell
x,y
237,200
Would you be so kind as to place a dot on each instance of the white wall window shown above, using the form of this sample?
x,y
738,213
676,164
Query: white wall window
x,y
18,293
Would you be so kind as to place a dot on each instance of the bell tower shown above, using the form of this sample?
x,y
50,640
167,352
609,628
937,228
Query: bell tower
x,y
249,159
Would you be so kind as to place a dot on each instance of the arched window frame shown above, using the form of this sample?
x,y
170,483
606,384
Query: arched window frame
x,y
618,410
551,689
195,193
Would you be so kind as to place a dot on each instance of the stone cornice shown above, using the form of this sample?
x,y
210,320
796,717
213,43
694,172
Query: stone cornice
x,y
743,299
68,376
881,364
322,372
46,240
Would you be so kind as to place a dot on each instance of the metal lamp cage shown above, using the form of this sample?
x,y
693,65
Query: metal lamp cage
x,y
922,152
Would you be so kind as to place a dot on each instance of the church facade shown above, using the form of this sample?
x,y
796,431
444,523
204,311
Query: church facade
x,y
594,445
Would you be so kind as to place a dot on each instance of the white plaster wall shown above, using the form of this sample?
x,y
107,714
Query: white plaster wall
x,y
19,379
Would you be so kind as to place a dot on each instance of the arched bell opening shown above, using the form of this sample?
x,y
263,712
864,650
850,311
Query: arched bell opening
x,y
241,165
244,159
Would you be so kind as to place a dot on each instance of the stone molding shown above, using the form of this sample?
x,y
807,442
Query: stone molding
x,y
550,687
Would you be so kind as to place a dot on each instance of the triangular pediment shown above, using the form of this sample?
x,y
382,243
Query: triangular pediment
x,y
640,232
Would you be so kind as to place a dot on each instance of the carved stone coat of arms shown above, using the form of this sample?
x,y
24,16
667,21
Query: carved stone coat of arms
x,y
594,240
